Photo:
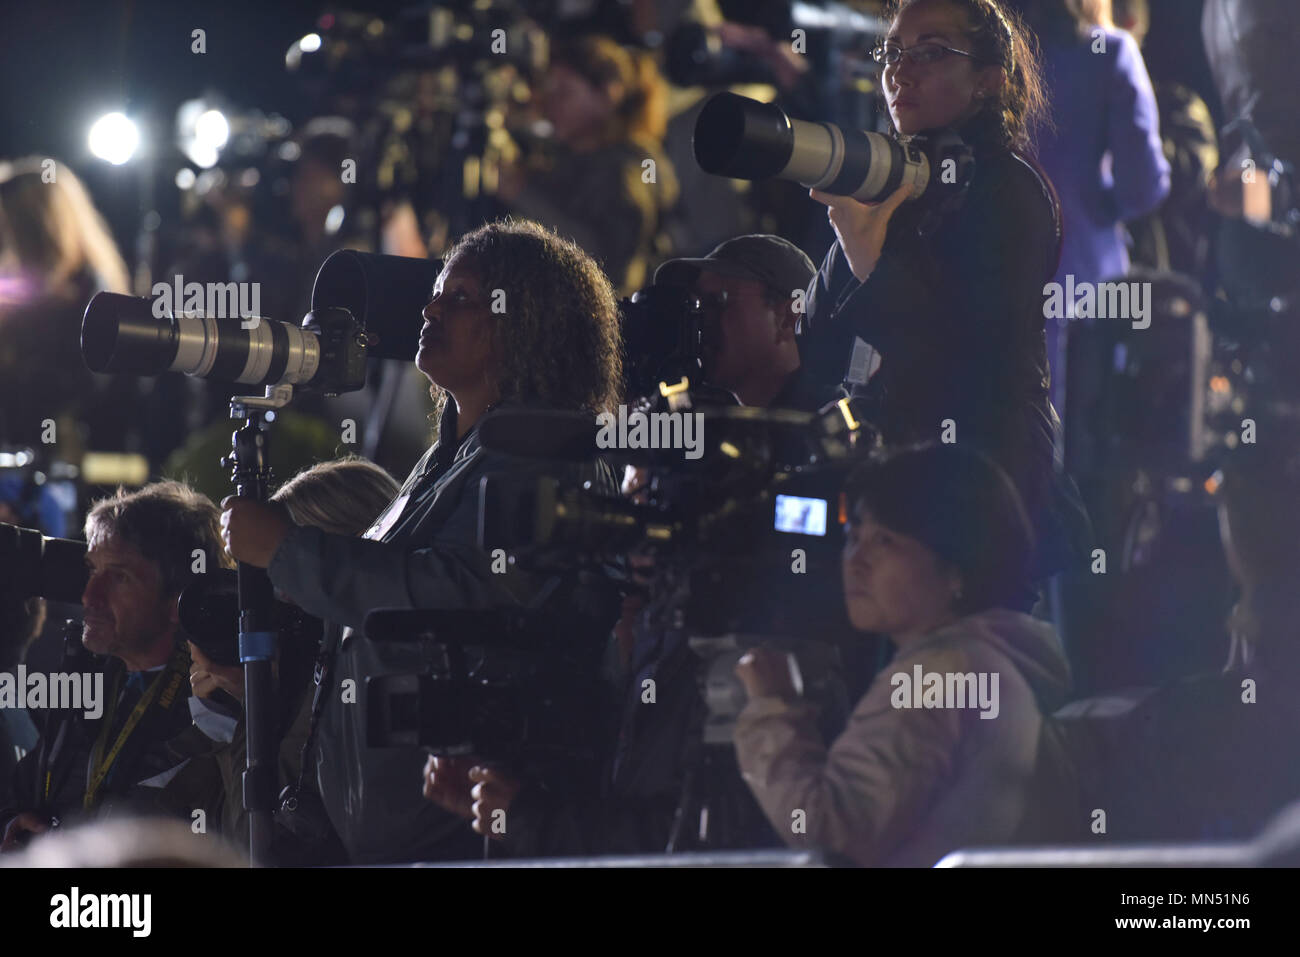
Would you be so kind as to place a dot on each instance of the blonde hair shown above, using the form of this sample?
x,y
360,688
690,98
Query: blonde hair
x,y
53,229
343,496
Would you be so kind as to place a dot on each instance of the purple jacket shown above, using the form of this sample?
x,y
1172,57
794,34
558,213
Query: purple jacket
x,y
1105,156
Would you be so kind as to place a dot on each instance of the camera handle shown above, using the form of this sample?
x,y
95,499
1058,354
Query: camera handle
x,y
250,467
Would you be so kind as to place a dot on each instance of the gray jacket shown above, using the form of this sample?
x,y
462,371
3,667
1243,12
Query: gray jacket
x,y
422,553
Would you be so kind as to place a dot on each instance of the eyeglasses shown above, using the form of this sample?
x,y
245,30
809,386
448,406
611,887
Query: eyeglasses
x,y
923,54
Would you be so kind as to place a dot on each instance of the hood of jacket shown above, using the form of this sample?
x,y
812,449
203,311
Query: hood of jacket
x,y
1031,644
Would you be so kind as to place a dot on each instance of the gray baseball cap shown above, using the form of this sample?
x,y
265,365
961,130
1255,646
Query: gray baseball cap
x,y
771,260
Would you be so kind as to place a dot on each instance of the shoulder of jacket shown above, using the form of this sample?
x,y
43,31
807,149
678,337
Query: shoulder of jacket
x,y
970,641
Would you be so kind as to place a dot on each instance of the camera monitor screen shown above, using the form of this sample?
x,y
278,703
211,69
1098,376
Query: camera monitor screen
x,y
802,516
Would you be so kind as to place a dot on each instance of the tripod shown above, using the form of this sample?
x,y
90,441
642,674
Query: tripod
x,y
258,639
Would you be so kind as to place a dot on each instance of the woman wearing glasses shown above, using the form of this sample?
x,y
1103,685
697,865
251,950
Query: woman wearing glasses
x,y
953,305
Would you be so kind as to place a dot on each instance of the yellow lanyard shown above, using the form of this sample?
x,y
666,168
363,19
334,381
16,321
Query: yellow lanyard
x,y
100,763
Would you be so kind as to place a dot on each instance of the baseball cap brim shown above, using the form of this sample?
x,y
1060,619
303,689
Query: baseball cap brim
x,y
683,272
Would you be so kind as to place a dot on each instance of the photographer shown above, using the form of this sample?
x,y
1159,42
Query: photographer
x,y
607,106
757,284
555,346
342,497
950,298
934,552
753,283
140,756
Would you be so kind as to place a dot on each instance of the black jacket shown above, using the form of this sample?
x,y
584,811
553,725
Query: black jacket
x,y
954,310
163,768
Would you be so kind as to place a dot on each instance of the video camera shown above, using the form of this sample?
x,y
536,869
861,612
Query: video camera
x,y
743,539
504,685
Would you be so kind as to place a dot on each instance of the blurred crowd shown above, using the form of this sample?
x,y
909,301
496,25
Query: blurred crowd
x,y
1049,505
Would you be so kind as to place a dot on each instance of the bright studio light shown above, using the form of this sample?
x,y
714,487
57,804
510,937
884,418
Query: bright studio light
x,y
114,138
212,129
310,43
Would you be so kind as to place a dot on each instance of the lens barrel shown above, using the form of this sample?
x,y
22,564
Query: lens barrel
x,y
121,334
742,138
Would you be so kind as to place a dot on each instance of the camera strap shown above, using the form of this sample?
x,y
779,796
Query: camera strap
x,y
323,675
164,687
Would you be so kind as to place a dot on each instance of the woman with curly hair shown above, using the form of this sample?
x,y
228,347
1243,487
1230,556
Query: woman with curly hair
x,y
518,318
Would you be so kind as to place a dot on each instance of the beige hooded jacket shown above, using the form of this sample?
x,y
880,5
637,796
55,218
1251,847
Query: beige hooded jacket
x,y
906,783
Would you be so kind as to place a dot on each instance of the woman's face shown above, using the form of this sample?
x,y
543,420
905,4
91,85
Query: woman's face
x,y
893,584
943,93
575,108
457,348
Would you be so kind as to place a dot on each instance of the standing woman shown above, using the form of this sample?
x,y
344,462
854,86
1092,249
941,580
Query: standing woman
x,y
953,305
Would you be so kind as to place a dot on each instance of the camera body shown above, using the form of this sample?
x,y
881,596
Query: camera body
x,y
209,614
666,331
502,684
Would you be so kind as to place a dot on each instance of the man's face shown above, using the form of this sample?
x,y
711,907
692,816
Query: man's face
x,y
126,612
748,331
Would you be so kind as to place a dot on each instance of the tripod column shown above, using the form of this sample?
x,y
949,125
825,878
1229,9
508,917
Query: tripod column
x,y
257,643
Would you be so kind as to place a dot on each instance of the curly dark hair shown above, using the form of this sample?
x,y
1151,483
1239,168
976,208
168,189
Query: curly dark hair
x,y
561,343
999,37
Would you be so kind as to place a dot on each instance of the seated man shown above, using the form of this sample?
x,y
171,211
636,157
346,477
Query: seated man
x,y
141,755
